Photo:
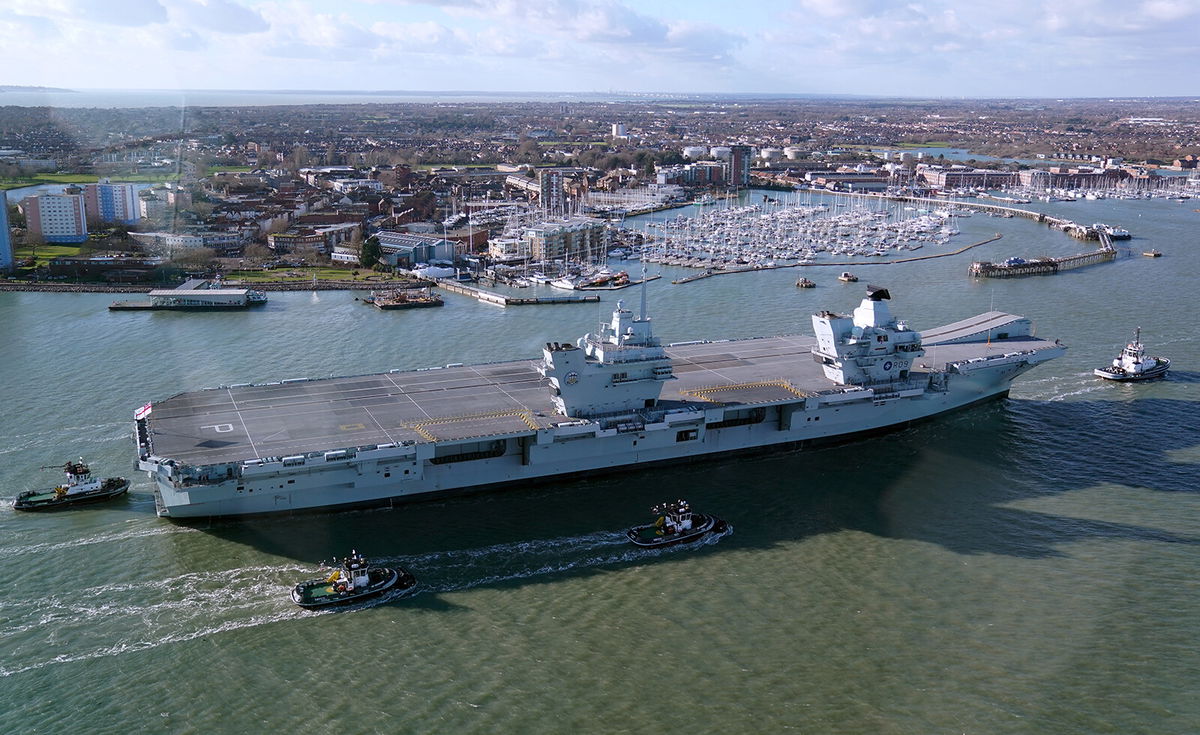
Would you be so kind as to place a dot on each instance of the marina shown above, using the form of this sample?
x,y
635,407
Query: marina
x,y
815,228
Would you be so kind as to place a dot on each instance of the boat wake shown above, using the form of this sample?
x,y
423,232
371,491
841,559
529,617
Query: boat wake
x,y
103,538
1059,388
74,436
95,622
468,568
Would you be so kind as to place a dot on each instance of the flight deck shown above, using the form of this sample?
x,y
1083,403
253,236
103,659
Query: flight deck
x,y
277,420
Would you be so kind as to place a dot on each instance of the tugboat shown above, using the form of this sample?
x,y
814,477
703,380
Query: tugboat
x,y
80,487
805,283
676,524
1132,363
848,277
354,580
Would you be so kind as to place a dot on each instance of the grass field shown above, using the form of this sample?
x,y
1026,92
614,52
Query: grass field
x,y
17,183
45,252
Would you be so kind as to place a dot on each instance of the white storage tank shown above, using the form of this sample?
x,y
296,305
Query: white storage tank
x,y
695,152
793,152
721,152
771,154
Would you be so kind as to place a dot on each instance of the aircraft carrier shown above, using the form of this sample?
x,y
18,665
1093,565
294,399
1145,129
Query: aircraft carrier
x,y
617,399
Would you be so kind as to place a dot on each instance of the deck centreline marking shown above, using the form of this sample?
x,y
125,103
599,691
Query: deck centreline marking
x,y
406,395
249,438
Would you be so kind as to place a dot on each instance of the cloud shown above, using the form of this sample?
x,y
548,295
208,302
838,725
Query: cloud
x,y
18,25
115,12
420,37
297,35
535,28
221,16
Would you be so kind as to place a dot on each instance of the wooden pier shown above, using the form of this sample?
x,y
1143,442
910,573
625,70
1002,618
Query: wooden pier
x,y
726,271
1046,266
490,297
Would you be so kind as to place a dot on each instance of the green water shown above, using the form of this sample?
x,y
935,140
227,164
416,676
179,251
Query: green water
x,y
1026,566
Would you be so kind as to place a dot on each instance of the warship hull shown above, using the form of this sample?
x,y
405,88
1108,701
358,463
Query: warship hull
x,y
366,440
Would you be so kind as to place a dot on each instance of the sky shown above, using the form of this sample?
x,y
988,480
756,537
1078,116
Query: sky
x,y
924,48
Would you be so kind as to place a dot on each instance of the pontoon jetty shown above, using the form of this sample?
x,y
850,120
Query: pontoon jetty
x,y
195,295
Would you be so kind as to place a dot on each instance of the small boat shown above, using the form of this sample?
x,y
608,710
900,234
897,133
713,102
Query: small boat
x,y
1132,363
676,524
354,580
805,283
80,487
847,277
1152,253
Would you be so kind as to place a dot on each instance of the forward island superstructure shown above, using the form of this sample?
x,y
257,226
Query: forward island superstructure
x,y
617,399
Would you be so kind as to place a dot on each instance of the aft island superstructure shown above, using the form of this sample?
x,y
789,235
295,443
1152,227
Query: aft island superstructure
x,y
616,399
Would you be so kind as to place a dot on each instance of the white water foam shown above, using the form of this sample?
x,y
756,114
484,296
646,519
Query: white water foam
x,y
192,599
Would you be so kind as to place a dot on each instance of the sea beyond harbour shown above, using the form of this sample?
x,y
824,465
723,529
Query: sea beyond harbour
x,y
1025,566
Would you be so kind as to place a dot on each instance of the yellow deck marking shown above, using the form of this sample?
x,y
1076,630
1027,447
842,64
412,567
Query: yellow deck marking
x,y
419,427
704,394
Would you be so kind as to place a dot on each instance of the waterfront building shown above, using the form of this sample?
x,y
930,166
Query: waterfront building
x,y
701,173
322,237
571,238
58,218
508,248
982,177
106,202
740,157
287,242
552,189
406,249
6,252
229,242
116,267
1071,177
152,204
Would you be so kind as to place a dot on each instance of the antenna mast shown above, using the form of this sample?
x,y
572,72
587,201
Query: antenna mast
x,y
643,315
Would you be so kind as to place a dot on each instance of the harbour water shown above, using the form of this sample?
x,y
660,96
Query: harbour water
x,y
1026,566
